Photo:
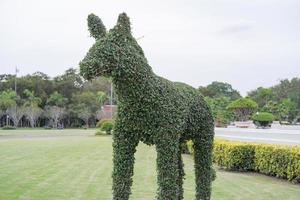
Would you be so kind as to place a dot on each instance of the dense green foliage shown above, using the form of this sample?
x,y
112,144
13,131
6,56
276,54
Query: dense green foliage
x,y
107,126
263,118
100,122
234,155
243,107
282,100
276,160
222,115
38,97
96,27
219,89
153,110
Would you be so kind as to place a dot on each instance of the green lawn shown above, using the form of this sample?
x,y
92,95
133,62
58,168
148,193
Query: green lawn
x,y
75,167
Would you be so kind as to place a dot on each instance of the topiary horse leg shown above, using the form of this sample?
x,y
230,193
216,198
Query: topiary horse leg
x,y
124,148
180,176
203,165
167,169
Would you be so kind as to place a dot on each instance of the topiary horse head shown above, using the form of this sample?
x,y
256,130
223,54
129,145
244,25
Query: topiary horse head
x,y
151,109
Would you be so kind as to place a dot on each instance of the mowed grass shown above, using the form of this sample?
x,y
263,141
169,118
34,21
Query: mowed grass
x,y
73,167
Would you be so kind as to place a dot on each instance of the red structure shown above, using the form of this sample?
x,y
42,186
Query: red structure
x,y
108,111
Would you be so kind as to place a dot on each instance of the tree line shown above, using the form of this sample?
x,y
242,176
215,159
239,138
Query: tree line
x,y
63,101
281,100
68,100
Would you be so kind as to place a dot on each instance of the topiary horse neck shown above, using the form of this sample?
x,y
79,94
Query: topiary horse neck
x,y
151,109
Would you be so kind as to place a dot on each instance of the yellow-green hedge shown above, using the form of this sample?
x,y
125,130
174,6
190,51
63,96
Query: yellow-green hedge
x,y
276,160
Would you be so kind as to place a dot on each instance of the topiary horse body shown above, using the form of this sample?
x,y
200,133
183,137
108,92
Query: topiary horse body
x,y
151,109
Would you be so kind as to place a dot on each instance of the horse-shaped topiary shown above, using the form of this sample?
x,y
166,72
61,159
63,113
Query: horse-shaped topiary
x,y
151,109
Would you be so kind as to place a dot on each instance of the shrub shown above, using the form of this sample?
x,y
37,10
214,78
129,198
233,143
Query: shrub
x,y
263,119
243,107
237,156
99,123
107,126
8,127
281,161
278,160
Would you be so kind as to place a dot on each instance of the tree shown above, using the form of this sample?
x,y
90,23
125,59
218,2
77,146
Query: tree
x,y
261,96
55,113
243,107
101,97
97,84
15,112
286,110
271,107
68,83
85,114
31,99
32,111
9,105
85,105
222,115
57,99
283,111
220,89
1,113
32,114
7,98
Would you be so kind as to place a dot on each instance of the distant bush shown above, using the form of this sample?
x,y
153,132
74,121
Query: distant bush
x,y
263,119
275,160
99,123
107,126
8,127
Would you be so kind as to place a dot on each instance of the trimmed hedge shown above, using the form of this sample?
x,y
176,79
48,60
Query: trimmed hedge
x,y
281,161
278,160
107,126
263,119
233,155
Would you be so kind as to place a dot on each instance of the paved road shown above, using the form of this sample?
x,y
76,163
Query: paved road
x,y
273,136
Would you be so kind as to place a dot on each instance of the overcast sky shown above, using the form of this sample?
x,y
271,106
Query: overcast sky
x,y
247,43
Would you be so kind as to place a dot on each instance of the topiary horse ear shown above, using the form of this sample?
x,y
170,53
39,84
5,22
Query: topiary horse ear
x,y
96,26
124,23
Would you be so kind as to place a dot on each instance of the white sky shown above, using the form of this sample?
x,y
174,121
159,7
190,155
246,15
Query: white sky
x,y
247,43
